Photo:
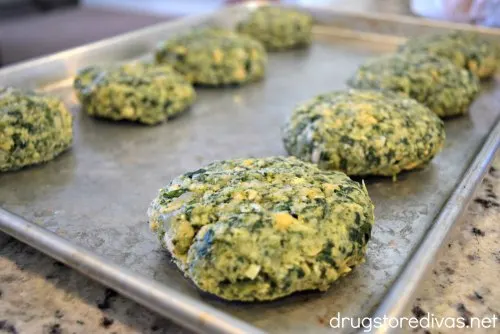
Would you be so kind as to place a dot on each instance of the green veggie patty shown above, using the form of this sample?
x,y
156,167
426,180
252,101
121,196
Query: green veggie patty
x,y
139,92
446,89
260,229
214,57
33,128
466,50
364,133
278,28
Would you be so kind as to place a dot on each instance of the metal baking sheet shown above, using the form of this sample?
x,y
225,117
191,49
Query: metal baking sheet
x,y
95,196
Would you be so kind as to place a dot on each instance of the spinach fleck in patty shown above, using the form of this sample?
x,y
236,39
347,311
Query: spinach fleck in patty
x,y
364,133
260,229
278,28
445,88
214,57
33,128
464,49
139,92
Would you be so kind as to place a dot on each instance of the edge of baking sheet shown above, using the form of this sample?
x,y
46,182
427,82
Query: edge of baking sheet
x,y
15,71
185,310
158,297
401,293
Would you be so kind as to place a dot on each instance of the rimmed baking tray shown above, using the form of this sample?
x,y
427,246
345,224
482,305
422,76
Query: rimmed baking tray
x,y
88,207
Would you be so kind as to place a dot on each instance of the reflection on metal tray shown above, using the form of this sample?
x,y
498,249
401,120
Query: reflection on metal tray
x,y
96,195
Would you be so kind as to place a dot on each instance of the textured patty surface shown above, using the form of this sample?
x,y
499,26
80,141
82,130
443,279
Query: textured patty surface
x,y
214,57
364,133
465,50
260,229
445,88
33,128
138,92
278,28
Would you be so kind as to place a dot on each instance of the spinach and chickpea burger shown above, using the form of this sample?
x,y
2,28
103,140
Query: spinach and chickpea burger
x,y
278,28
33,128
464,49
214,57
445,88
261,229
364,132
138,92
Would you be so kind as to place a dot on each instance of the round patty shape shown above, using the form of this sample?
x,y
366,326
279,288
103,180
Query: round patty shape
x,y
364,133
445,88
466,50
214,57
33,128
278,28
138,92
260,229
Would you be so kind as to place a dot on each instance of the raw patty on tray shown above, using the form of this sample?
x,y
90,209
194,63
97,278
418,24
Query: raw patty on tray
x,y
278,28
214,57
364,132
34,128
139,92
466,50
261,229
445,88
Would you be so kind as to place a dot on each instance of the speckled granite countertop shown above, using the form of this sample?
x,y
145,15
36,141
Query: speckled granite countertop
x,y
465,280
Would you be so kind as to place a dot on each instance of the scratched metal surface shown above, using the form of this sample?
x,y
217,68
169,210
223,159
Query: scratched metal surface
x,y
96,195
